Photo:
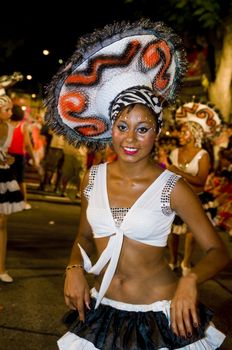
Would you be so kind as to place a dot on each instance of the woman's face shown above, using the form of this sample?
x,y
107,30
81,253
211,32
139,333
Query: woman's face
x,y
134,133
185,135
6,111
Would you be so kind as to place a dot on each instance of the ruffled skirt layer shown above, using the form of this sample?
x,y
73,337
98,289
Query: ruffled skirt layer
x,y
209,204
120,326
11,198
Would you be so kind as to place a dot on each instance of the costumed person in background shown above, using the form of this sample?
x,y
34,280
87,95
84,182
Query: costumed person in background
x,y
198,121
52,163
11,198
19,147
219,183
7,81
111,91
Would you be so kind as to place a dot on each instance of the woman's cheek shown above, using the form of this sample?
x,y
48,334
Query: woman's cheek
x,y
115,134
147,140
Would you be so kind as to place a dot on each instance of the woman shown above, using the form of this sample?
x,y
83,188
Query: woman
x,y
128,205
192,162
19,147
11,199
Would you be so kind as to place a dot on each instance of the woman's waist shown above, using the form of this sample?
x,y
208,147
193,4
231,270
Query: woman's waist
x,y
145,285
156,305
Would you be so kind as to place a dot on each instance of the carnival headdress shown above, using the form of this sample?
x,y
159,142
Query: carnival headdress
x,y
202,113
4,99
124,63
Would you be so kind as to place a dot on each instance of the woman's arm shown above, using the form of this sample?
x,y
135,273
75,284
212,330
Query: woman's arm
x,y
76,288
215,258
199,179
27,142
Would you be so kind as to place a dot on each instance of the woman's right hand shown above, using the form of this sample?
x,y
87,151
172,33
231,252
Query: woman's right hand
x,y
76,291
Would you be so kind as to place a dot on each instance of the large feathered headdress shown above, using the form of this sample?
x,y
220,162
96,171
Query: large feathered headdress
x,y
124,63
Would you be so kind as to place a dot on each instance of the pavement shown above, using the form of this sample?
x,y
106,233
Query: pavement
x,y
39,245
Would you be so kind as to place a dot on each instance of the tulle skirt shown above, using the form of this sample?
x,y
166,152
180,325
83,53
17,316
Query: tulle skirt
x,y
121,326
11,198
209,204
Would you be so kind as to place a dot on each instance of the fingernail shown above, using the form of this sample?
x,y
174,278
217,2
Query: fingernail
x,y
189,334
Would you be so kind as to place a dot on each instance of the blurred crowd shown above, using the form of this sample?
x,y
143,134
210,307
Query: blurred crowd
x,y
61,166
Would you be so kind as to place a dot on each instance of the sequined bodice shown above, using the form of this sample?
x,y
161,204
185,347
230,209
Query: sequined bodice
x,y
119,214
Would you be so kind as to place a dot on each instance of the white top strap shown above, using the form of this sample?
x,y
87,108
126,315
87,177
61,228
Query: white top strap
x,y
111,253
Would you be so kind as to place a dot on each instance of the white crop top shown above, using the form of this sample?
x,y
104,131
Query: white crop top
x,y
192,167
4,147
148,221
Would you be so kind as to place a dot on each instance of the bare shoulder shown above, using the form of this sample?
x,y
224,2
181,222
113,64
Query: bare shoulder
x,y
85,179
182,195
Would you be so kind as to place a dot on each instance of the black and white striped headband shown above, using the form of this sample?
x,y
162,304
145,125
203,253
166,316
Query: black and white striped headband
x,y
137,94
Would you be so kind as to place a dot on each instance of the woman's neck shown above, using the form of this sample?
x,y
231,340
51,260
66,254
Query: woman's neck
x,y
189,146
133,170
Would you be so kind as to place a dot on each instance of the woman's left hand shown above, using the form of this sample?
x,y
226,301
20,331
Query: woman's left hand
x,y
183,311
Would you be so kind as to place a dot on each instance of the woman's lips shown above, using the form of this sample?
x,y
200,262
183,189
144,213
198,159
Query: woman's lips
x,y
130,150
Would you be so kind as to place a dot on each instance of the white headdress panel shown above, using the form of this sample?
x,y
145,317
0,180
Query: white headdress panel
x,y
200,113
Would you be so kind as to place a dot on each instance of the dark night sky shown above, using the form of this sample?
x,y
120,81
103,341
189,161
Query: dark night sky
x,y
27,30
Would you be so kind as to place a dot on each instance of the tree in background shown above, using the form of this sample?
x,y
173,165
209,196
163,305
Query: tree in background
x,y
212,20
202,24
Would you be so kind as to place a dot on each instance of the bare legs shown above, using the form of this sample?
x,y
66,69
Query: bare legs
x,y
3,242
4,276
23,189
173,245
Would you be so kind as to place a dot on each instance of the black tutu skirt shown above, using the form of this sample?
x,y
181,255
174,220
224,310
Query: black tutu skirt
x,y
11,198
110,328
209,204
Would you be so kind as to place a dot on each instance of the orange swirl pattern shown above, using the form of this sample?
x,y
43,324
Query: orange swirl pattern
x,y
208,115
91,75
73,103
184,110
204,113
155,53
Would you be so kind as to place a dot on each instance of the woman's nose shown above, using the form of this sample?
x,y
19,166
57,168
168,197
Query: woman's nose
x,y
131,135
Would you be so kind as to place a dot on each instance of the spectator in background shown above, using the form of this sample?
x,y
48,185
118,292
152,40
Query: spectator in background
x,y
11,198
219,183
221,141
193,163
20,146
52,163
38,140
73,168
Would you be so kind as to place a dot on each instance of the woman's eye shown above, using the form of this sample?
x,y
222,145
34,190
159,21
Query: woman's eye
x,y
121,127
143,130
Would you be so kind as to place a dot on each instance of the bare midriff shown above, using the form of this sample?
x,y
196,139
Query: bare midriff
x,y
142,275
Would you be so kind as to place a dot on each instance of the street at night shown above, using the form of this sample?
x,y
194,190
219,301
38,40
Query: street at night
x,y
39,244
